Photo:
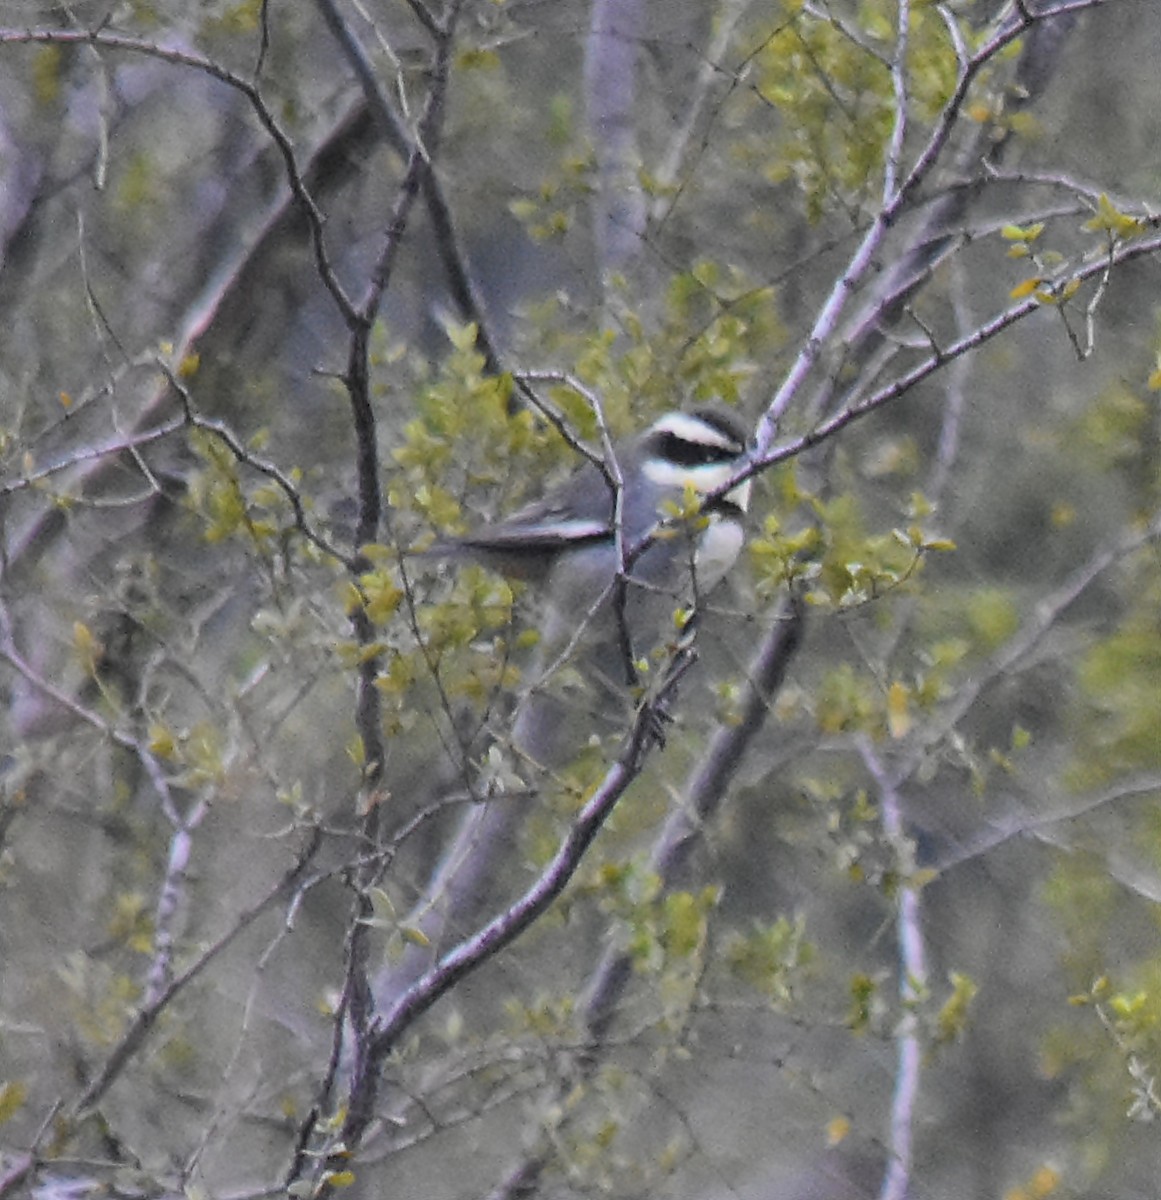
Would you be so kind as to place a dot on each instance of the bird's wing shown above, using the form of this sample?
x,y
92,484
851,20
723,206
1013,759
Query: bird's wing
x,y
575,515
541,536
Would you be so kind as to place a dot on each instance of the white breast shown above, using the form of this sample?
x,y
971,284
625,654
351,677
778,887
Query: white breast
x,y
717,551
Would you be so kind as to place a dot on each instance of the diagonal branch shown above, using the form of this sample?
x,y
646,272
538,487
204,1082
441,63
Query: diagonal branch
x,y
499,932
759,459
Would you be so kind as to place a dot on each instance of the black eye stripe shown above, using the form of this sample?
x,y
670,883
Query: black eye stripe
x,y
685,453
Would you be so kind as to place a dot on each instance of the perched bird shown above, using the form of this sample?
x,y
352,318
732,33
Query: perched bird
x,y
592,633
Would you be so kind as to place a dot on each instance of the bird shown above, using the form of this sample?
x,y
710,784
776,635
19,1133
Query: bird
x,y
594,634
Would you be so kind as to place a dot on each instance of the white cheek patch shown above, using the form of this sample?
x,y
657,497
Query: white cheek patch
x,y
717,551
703,478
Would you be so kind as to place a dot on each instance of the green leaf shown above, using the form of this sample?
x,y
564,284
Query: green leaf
x,y
951,1023
992,616
1025,289
1109,219
12,1097
1022,233
477,58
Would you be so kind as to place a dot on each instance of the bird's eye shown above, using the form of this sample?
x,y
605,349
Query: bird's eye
x,y
687,453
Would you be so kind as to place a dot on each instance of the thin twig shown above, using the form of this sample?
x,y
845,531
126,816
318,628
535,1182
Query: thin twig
x,y
460,280
1126,252
139,1028
224,433
87,454
557,419
670,167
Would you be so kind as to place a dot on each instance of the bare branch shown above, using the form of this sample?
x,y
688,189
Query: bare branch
x,y
1007,34
226,435
962,54
88,454
894,154
912,980
558,420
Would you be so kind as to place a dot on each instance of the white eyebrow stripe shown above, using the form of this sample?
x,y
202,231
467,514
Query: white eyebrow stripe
x,y
695,430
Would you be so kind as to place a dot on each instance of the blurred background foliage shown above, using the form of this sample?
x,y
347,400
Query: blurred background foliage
x,y
978,561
